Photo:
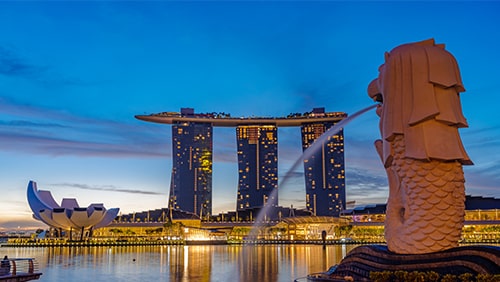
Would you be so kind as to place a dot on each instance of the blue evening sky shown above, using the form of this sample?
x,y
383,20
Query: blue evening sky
x,y
74,73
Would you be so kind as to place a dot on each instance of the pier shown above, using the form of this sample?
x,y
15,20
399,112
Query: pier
x,y
19,269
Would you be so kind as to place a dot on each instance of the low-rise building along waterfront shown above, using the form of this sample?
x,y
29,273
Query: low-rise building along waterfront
x,y
363,224
356,226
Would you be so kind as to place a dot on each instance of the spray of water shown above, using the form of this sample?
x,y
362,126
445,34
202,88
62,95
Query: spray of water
x,y
315,146
306,154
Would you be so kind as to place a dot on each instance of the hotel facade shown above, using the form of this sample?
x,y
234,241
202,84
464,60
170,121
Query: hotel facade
x,y
324,170
257,166
191,181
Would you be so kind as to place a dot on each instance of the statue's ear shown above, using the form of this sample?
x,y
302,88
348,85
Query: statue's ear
x,y
443,69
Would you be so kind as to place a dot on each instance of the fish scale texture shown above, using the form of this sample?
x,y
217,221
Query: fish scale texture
x,y
428,212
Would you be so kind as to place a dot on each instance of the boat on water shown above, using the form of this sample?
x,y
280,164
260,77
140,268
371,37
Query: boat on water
x,y
19,270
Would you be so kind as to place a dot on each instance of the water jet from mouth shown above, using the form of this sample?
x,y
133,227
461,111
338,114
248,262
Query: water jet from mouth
x,y
318,143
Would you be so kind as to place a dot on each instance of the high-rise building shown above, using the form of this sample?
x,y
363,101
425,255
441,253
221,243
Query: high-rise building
x,y
324,169
191,182
257,166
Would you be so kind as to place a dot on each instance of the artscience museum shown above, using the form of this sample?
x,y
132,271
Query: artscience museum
x,y
68,216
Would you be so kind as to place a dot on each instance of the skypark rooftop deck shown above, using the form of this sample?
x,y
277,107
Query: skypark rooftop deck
x,y
227,121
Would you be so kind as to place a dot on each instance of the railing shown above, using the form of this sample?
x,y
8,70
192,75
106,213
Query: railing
x,y
18,266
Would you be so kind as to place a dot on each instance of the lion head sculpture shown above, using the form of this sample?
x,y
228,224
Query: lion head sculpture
x,y
419,86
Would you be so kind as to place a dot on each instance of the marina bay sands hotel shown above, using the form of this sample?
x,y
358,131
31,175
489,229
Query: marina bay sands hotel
x,y
257,141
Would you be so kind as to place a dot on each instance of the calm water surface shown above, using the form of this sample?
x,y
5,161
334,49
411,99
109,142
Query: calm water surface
x,y
260,263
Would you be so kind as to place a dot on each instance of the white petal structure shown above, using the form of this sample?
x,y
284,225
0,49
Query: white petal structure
x,y
69,215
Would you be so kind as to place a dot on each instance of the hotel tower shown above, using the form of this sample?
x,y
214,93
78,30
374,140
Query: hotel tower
x,y
257,166
191,181
324,170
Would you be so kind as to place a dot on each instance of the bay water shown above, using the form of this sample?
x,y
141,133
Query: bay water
x,y
261,263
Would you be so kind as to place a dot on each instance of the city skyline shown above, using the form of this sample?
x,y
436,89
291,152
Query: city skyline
x,y
257,153
74,74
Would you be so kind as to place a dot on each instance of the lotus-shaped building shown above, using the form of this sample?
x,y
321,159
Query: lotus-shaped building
x,y
69,215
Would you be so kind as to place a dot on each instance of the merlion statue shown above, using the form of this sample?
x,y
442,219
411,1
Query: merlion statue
x,y
418,89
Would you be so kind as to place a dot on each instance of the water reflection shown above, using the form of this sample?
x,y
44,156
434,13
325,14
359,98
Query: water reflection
x,y
182,263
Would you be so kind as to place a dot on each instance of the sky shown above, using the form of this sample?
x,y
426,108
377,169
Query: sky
x,y
73,74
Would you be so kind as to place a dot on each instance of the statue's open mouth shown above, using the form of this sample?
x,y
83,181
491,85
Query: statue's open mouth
x,y
378,98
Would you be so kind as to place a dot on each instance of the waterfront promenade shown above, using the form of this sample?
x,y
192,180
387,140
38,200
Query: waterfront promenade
x,y
24,242
98,243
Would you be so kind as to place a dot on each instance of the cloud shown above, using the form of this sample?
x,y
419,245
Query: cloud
x,y
12,107
20,225
59,146
361,176
226,157
366,187
12,65
293,175
110,188
24,123
225,146
38,130
482,178
296,201
321,92
480,138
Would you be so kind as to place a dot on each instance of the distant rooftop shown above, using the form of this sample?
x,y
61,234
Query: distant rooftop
x,y
471,203
481,203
